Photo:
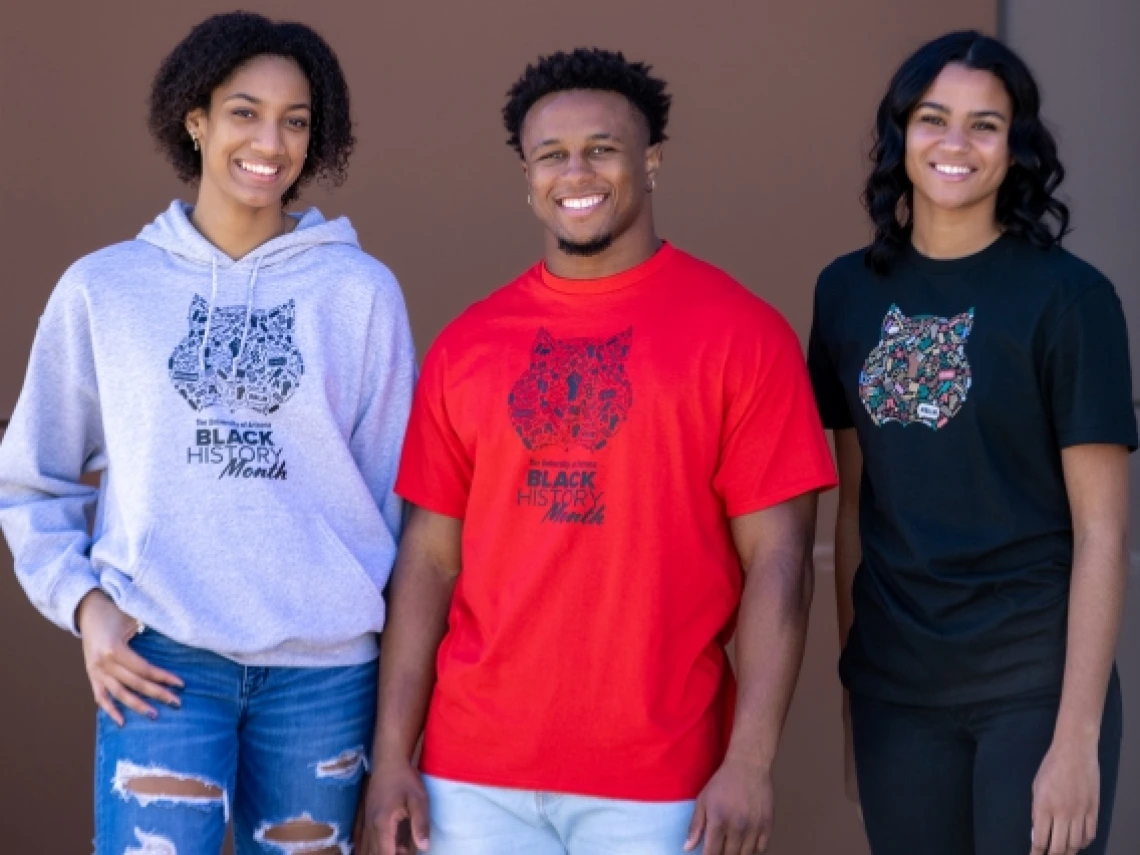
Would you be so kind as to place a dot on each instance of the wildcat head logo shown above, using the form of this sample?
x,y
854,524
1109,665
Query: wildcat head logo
x,y
575,391
260,377
918,372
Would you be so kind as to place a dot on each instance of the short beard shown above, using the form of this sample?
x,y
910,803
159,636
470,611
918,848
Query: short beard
x,y
589,248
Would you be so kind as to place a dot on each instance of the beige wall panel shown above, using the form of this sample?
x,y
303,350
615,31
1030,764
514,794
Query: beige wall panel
x,y
1086,60
773,105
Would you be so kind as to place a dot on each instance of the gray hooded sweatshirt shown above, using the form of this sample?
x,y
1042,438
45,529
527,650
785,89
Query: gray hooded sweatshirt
x,y
247,416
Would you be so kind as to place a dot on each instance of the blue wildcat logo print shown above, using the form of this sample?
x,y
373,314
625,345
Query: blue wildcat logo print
x,y
918,372
260,376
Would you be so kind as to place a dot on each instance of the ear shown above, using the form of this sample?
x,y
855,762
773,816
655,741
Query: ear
x,y
654,157
196,123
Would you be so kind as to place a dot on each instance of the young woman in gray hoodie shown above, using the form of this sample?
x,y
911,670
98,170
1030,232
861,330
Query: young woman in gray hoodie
x,y
241,377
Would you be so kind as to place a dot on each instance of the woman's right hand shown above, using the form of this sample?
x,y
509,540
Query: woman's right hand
x,y
116,672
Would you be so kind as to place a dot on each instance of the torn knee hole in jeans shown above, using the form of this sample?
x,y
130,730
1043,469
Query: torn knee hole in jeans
x,y
151,844
346,766
156,785
302,835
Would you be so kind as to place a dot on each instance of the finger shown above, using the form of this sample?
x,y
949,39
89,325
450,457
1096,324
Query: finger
x,y
129,659
714,837
696,827
389,839
142,686
1090,826
420,821
1076,836
1059,837
750,842
103,699
1042,823
734,839
128,698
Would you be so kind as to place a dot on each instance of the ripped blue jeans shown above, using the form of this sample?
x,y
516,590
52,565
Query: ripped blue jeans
x,y
279,751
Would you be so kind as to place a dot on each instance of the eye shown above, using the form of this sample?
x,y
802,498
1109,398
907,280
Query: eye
x,y
602,149
932,119
552,155
243,113
298,123
985,126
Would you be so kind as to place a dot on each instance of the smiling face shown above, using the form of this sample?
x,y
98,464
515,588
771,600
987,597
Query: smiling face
x,y
957,142
255,134
589,168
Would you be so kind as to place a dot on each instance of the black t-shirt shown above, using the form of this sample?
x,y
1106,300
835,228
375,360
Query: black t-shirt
x,y
964,379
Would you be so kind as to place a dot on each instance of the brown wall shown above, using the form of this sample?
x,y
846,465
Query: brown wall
x,y
1085,58
773,103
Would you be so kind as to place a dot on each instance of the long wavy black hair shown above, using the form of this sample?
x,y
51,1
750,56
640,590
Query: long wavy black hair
x,y
1026,204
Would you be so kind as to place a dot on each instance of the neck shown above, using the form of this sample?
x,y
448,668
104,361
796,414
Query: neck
x,y
631,248
941,233
236,229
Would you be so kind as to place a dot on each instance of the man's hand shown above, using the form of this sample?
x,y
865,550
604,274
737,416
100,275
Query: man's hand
x,y
1066,799
395,795
734,812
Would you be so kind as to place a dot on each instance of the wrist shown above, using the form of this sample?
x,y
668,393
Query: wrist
x,y
92,600
1076,735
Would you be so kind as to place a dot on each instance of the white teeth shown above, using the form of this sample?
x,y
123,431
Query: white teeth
x,y
582,203
258,169
947,169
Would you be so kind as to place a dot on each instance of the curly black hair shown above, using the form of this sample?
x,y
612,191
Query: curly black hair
x,y
587,68
212,52
1025,201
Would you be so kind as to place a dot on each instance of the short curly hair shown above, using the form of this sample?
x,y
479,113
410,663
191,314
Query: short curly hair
x,y
588,68
218,47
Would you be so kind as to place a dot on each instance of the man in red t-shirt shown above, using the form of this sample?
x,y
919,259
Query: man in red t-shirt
x,y
612,465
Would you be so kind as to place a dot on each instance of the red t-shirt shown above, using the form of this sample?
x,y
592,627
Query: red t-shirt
x,y
595,437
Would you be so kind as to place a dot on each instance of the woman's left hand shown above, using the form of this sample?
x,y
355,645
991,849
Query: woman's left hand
x,y
1066,799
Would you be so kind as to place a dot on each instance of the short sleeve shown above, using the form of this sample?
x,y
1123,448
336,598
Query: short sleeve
x,y
1087,374
435,467
829,394
773,447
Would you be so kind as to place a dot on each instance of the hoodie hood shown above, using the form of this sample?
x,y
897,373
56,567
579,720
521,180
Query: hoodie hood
x,y
173,232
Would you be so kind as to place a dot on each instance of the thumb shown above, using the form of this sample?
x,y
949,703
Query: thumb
x,y
420,821
696,826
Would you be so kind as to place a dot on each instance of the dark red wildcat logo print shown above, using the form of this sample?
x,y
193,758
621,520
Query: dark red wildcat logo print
x,y
575,392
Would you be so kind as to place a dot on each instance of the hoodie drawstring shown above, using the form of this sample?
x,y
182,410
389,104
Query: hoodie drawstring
x,y
210,315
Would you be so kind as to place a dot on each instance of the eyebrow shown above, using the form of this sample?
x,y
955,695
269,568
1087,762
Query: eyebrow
x,y
977,114
301,105
591,138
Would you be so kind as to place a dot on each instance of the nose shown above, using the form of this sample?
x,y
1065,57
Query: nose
x,y
955,139
267,139
577,166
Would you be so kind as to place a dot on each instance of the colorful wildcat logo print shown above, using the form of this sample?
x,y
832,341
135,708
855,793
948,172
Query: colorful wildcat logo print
x,y
575,391
918,372
267,373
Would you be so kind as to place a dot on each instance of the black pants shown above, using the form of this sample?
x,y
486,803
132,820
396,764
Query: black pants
x,y
958,780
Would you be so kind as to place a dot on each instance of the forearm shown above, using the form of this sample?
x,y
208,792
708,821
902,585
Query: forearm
x,y
771,633
848,555
1096,602
419,600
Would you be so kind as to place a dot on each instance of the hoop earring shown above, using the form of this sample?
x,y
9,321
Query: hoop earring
x,y
195,141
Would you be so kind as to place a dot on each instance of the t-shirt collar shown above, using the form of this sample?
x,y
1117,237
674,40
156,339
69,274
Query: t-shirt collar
x,y
665,253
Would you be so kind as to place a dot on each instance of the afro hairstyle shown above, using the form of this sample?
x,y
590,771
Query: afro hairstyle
x,y
213,51
587,68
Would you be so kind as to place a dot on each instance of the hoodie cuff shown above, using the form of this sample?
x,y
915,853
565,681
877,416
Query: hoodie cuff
x,y
65,599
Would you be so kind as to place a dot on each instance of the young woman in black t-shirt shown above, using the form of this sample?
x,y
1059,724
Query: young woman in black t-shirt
x,y
976,376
